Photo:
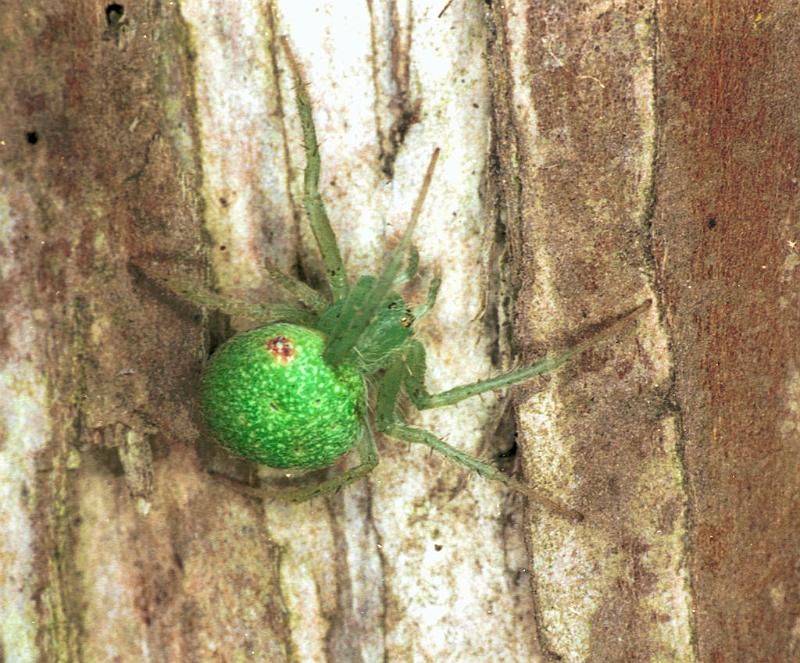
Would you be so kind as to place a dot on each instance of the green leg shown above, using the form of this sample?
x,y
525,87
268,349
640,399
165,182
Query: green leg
x,y
315,208
303,293
368,459
257,312
368,455
412,267
433,290
353,325
390,424
424,400
420,436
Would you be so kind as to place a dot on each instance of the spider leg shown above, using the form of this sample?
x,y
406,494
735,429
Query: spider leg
x,y
407,433
368,456
303,293
423,309
350,327
204,298
424,400
411,268
312,201
390,424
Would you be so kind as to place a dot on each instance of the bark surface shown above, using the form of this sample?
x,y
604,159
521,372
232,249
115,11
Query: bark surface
x,y
594,156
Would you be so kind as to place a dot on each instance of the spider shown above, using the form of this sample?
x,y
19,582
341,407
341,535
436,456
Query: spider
x,y
322,374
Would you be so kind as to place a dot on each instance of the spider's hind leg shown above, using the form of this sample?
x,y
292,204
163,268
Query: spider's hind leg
x,y
368,459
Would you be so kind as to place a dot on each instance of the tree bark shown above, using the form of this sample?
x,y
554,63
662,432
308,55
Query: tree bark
x,y
595,156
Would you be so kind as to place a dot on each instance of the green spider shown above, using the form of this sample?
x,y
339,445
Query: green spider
x,y
298,392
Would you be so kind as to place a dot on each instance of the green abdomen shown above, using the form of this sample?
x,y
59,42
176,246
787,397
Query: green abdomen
x,y
268,396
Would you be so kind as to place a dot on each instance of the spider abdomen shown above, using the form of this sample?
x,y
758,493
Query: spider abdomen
x,y
269,397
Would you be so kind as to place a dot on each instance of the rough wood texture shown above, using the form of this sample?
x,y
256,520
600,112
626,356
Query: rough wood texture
x,y
725,239
594,156
574,126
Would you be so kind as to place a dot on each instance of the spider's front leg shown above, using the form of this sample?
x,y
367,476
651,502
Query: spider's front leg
x,y
424,400
392,425
312,200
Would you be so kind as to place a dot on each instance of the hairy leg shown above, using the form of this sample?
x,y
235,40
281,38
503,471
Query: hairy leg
x,y
368,459
263,313
418,435
350,326
433,290
393,426
412,267
303,293
312,201
424,400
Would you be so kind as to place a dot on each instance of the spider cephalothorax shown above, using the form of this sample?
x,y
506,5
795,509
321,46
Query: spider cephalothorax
x,y
321,375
